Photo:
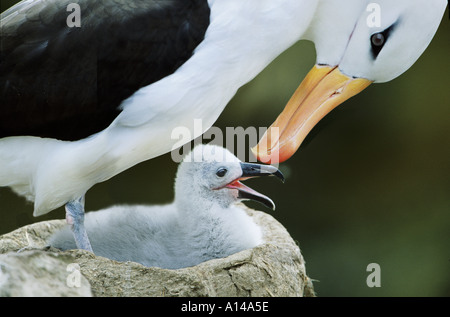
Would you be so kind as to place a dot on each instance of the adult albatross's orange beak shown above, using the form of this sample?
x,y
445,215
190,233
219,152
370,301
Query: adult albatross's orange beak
x,y
323,89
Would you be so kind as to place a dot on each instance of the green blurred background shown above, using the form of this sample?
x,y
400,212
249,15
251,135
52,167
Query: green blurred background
x,y
370,184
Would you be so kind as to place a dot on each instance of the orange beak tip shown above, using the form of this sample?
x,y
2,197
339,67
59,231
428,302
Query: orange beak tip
x,y
266,157
323,89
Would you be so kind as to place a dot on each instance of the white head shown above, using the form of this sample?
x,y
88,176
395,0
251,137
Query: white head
x,y
358,42
210,175
387,39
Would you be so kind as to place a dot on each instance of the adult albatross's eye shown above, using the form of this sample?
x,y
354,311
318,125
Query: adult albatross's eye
x,y
221,172
378,39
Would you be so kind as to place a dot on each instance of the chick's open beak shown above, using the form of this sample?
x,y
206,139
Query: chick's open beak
x,y
254,170
322,90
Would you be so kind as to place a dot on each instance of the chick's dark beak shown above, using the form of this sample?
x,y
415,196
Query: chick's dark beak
x,y
255,170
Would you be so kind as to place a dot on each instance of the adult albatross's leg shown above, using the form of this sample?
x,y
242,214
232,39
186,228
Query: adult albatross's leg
x,y
75,218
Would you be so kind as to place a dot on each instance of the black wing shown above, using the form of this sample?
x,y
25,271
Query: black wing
x,y
67,83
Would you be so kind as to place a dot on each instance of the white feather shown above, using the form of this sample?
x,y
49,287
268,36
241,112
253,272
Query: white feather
x,y
243,38
51,172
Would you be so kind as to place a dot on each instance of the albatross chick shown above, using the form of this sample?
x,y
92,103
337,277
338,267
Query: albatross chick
x,y
202,223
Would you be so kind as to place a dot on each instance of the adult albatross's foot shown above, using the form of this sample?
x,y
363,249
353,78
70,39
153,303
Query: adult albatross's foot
x,y
75,219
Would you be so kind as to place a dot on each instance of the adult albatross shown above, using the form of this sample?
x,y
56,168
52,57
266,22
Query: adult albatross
x,y
82,103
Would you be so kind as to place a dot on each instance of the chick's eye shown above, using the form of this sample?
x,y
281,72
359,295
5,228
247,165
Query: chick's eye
x,y
221,172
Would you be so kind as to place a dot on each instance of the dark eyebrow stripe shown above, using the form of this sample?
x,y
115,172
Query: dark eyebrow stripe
x,y
376,50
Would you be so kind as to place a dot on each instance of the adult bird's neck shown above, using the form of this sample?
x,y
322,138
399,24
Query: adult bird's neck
x,y
242,39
